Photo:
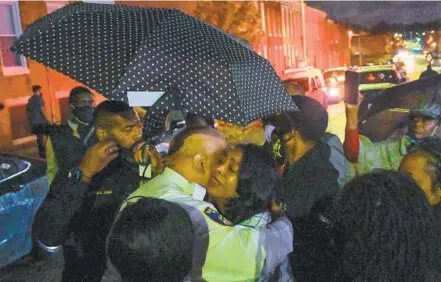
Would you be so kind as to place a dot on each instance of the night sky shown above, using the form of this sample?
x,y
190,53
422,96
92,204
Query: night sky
x,y
369,13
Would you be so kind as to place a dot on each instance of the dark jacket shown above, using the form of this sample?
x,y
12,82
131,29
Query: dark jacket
x,y
315,236
310,185
79,215
68,149
310,178
429,72
437,211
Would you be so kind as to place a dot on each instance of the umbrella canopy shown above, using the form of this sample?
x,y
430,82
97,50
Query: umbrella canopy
x,y
388,115
114,49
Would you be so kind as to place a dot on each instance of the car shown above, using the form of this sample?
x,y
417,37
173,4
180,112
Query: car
x,y
373,80
23,188
311,80
335,79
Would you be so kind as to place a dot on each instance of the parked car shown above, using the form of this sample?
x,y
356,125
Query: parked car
x,y
335,79
311,80
373,81
23,187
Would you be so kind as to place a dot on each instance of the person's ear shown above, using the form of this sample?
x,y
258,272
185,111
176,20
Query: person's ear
x,y
199,162
101,134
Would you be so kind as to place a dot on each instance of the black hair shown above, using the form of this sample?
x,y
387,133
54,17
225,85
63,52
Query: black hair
x,y
431,147
179,139
152,240
311,120
36,88
107,109
198,120
258,184
77,91
387,231
291,83
114,107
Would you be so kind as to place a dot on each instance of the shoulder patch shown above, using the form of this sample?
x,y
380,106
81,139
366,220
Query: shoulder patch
x,y
217,217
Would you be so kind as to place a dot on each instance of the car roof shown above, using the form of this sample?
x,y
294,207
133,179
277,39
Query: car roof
x,y
373,68
335,69
301,72
375,86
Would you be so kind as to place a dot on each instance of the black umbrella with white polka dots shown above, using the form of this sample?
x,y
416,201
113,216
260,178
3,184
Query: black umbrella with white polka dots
x,y
115,49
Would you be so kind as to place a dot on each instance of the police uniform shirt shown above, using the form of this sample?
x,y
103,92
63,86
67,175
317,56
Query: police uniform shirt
x,y
223,252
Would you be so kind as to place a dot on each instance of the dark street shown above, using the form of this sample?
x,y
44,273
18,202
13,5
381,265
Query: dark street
x,y
30,270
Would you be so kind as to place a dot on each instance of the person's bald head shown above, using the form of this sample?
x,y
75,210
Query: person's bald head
x,y
179,139
193,151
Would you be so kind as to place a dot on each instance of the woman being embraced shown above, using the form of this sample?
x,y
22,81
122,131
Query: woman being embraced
x,y
244,188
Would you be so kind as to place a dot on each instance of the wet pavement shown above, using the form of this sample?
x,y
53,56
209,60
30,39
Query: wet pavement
x,y
29,269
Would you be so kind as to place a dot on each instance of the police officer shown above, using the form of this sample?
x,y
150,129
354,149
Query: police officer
x,y
224,252
79,209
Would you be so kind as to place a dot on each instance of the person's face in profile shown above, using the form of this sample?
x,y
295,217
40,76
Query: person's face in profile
x,y
214,147
225,175
198,155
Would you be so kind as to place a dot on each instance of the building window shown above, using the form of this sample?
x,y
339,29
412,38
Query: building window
x,y
10,30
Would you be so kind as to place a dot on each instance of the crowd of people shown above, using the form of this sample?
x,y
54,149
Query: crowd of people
x,y
299,206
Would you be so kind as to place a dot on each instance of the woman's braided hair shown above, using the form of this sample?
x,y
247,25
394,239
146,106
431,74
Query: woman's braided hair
x,y
387,231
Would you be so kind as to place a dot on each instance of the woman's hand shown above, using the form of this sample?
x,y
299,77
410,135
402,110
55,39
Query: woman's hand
x,y
277,210
145,154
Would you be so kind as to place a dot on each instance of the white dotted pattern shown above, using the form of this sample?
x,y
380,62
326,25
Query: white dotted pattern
x,y
118,48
